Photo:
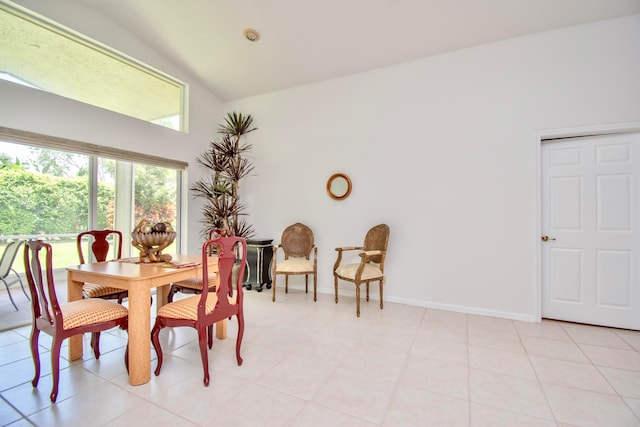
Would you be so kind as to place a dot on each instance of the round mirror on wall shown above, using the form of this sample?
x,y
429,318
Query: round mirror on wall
x,y
339,186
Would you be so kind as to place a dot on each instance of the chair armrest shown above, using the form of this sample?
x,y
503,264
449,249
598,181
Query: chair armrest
x,y
315,258
342,249
370,253
274,255
349,248
371,256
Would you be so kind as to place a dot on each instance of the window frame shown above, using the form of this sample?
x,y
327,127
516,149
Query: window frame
x,y
128,158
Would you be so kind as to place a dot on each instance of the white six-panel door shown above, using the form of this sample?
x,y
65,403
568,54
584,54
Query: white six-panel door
x,y
590,220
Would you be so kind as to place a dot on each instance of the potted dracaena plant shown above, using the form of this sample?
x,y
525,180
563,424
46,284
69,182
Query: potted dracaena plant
x,y
226,159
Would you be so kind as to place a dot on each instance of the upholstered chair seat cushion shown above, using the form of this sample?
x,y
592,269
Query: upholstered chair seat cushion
x,y
294,265
196,282
187,308
369,272
90,311
91,290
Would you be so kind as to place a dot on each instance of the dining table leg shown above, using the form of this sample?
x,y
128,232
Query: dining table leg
x,y
139,335
221,329
162,293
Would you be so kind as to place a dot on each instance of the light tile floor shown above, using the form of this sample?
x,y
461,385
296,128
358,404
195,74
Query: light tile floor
x,y
317,364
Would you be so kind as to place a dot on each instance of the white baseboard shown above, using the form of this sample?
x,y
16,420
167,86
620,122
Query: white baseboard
x,y
523,317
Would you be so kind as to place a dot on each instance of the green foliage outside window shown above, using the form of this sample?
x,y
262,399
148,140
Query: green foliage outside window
x,y
155,194
32,203
46,193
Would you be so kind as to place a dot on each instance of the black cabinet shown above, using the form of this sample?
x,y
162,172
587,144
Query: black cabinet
x,y
259,255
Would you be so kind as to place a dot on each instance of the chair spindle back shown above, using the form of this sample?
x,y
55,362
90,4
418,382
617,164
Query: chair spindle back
x,y
100,245
229,250
44,301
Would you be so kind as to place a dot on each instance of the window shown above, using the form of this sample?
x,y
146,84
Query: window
x,y
55,194
38,53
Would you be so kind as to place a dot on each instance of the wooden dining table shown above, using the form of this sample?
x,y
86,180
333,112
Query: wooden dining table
x,y
138,279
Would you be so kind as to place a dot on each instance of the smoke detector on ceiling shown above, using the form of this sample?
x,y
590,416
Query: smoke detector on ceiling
x,y
251,35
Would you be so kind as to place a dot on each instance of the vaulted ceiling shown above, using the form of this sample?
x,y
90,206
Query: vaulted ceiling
x,y
305,41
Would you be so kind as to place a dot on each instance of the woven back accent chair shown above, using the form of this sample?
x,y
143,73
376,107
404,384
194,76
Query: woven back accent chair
x,y
203,311
300,257
6,268
371,266
63,320
194,284
100,248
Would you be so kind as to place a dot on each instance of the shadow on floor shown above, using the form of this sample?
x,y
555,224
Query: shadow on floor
x,y
10,318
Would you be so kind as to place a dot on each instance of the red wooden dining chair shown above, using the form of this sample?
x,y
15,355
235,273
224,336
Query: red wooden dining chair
x,y
61,321
203,311
100,248
194,284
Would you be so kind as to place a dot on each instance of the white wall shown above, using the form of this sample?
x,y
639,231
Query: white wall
x,y
35,111
443,150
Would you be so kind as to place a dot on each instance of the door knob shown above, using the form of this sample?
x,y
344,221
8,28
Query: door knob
x,y
546,238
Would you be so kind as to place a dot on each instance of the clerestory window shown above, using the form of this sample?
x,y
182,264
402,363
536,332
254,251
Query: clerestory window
x,y
41,54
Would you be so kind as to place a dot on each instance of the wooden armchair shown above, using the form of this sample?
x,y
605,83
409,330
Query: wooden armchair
x,y
297,245
371,265
61,321
203,311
